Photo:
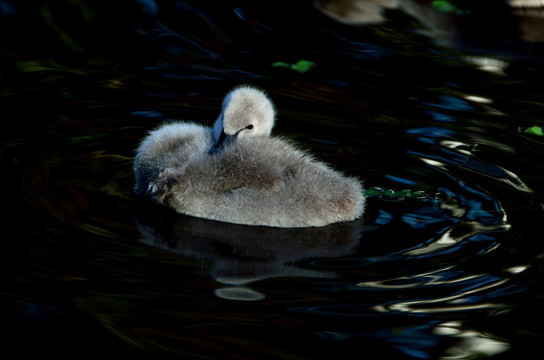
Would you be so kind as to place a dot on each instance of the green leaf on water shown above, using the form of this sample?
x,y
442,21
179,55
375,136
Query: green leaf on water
x,y
448,7
389,193
372,192
394,194
443,6
535,130
281,64
300,66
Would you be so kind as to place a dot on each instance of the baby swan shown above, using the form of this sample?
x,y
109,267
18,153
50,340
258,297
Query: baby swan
x,y
235,172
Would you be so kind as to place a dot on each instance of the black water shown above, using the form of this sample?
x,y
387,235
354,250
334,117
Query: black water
x,y
444,128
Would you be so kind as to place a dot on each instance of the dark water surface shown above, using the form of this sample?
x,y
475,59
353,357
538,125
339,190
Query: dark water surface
x,y
450,268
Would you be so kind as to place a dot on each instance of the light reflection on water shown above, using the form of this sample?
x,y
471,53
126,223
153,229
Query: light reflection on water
x,y
454,272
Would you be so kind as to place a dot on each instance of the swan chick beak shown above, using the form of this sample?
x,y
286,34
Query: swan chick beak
x,y
223,140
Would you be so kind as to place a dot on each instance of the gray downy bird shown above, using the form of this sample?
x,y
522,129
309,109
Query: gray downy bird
x,y
236,172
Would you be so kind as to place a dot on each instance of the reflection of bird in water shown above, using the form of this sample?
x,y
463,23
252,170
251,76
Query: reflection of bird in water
x,y
453,23
237,173
356,11
241,254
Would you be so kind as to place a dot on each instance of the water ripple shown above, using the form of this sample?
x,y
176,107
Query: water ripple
x,y
468,299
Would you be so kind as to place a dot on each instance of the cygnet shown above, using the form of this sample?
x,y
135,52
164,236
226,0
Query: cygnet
x,y
236,172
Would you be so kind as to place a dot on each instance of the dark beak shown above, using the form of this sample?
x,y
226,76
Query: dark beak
x,y
223,140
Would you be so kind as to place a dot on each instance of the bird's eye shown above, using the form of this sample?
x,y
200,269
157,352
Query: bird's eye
x,y
249,127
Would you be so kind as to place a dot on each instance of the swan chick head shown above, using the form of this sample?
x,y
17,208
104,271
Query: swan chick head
x,y
246,111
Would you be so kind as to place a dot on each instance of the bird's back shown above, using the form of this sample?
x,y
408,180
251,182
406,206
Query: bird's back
x,y
266,181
